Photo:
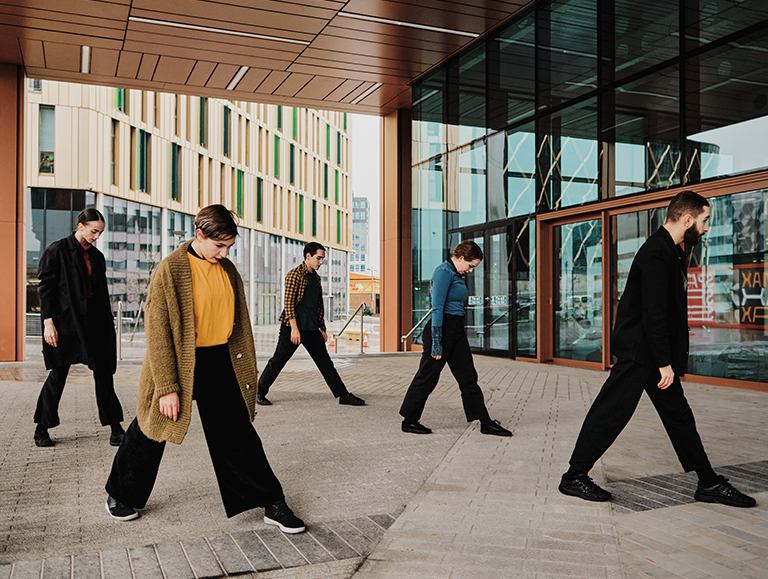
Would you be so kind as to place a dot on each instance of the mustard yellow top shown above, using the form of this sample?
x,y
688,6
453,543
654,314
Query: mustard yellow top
x,y
214,301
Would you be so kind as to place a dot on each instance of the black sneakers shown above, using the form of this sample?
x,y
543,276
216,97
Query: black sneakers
x,y
119,511
493,427
415,428
585,488
43,439
262,400
723,493
283,518
351,400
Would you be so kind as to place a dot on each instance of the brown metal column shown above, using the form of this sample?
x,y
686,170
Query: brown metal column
x,y
12,218
396,245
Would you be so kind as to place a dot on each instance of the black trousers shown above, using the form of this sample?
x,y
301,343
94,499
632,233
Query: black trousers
x,y
246,480
47,411
615,405
458,356
314,344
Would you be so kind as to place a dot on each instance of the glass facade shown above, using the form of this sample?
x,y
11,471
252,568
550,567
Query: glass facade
x,y
535,132
133,243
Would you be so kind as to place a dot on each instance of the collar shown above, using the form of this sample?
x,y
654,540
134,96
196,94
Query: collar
x,y
679,251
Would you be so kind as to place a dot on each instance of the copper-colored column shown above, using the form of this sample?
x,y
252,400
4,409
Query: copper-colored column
x,y
395,229
12,218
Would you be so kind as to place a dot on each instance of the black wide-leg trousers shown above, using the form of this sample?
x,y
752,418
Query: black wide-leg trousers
x,y
47,411
615,405
458,356
245,478
314,344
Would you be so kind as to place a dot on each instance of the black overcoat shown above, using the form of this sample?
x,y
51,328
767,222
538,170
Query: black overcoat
x,y
83,339
652,317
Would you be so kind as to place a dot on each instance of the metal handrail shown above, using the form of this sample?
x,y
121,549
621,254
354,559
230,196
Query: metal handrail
x,y
413,329
490,324
352,317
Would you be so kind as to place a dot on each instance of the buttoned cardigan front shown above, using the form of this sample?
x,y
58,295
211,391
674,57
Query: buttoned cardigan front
x,y
169,365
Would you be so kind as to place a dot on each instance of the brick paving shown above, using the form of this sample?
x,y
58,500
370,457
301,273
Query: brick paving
x,y
380,503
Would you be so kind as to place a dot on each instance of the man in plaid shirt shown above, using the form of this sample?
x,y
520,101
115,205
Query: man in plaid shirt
x,y
302,322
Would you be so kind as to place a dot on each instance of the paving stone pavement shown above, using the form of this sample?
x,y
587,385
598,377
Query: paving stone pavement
x,y
380,503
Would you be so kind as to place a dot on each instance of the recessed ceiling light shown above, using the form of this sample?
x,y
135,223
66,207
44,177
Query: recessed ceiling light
x,y
217,30
366,93
408,24
238,77
85,59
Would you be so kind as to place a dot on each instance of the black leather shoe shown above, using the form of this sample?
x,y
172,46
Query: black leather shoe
x,y
494,427
119,511
43,439
415,428
585,488
351,400
262,400
725,494
116,439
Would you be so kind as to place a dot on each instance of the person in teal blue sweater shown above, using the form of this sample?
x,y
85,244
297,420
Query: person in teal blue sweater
x,y
445,341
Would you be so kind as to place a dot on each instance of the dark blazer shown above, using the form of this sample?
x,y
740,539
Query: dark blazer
x,y
62,290
652,317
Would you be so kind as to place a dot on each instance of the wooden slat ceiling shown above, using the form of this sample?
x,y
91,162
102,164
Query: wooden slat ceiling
x,y
323,54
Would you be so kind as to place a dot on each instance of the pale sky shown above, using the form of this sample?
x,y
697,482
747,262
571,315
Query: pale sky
x,y
366,163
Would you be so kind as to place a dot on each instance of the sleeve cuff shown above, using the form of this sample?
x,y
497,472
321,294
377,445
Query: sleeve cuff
x,y
437,341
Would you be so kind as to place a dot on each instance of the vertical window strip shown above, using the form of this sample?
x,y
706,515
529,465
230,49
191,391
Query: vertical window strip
x,y
277,155
259,199
295,127
240,192
301,213
292,170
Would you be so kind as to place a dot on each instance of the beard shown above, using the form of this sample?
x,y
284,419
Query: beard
x,y
691,237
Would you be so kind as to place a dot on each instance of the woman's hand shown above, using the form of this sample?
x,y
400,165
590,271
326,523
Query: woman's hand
x,y
50,334
169,405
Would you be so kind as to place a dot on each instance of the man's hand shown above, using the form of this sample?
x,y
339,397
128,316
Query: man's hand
x,y
50,334
295,336
667,377
436,357
325,336
169,405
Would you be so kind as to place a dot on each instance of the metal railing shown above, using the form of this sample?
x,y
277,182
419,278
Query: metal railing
x,y
413,329
362,328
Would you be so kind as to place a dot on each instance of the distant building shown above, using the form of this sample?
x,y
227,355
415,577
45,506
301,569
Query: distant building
x,y
149,161
360,261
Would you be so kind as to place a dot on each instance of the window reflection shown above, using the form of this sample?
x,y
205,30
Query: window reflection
x,y
525,287
567,50
645,126
726,109
466,184
568,156
578,291
646,33
519,171
728,291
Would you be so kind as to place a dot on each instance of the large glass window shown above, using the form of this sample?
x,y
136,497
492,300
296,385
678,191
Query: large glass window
x,y
466,184
512,74
710,20
525,286
645,34
645,128
726,109
567,50
578,291
520,171
568,156
728,291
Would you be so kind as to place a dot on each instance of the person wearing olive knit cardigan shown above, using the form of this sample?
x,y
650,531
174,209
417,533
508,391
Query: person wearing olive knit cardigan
x,y
445,342
199,342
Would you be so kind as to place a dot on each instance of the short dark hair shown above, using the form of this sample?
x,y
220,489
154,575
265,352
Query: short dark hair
x,y
469,250
312,248
216,222
686,203
90,214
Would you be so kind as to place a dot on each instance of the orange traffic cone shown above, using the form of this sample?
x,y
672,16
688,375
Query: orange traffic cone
x,y
365,342
332,343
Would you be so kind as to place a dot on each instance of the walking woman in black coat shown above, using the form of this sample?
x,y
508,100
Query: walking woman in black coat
x,y
78,327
